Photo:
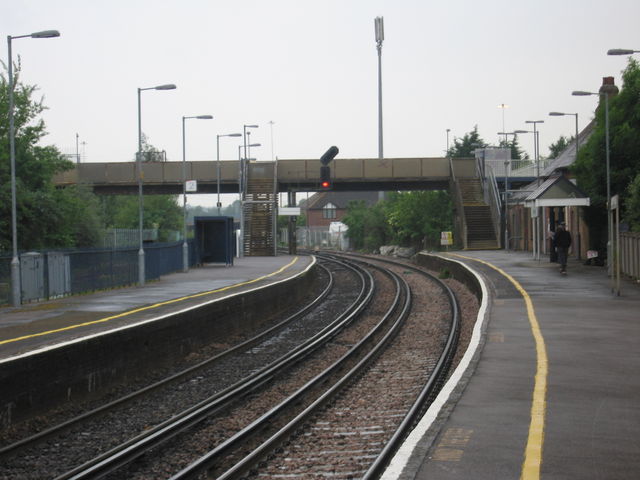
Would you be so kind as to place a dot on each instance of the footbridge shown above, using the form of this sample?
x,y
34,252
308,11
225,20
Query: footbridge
x,y
476,198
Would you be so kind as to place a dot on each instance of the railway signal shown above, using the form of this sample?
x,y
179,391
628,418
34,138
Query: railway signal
x,y
325,170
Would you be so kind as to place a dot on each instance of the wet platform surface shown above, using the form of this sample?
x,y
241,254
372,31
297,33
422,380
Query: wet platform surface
x,y
43,324
589,416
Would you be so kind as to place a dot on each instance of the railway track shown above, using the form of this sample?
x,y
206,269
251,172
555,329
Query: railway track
x,y
337,403
81,439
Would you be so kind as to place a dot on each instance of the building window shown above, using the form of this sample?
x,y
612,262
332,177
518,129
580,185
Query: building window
x,y
329,211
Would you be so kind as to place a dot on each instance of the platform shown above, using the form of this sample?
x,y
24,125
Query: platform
x,y
564,405
45,324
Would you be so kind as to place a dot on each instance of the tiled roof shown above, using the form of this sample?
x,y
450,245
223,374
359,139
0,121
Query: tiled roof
x,y
340,199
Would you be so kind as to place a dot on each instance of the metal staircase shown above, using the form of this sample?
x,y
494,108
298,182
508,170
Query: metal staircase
x,y
259,209
480,229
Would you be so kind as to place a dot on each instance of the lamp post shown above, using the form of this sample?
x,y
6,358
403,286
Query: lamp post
x,y
447,151
560,114
16,293
185,247
141,272
379,25
218,164
536,145
605,94
506,189
503,106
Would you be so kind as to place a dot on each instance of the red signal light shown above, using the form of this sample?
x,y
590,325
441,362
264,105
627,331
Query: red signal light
x,y
325,184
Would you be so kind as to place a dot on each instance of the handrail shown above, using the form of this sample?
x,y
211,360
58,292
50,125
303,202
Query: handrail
x,y
494,202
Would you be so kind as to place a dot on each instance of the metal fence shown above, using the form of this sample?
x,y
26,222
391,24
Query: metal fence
x,y
52,274
630,254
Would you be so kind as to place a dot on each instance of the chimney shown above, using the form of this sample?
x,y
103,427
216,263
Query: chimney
x,y
609,87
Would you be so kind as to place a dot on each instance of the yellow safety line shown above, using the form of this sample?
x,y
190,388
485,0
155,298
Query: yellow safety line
x,y
533,452
149,307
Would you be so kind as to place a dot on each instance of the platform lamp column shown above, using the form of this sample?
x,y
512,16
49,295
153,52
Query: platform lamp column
x,y
218,204
561,114
185,246
16,294
141,266
581,93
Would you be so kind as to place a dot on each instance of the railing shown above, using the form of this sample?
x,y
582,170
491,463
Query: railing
x,y
52,274
457,198
518,168
492,198
630,254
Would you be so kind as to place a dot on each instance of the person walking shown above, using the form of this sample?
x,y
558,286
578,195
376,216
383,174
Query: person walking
x,y
562,242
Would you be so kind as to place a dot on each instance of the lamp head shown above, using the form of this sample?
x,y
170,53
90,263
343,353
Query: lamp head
x,y
46,34
204,117
556,114
620,51
581,93
168,86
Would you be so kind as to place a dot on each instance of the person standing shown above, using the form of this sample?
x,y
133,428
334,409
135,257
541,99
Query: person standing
x,y
562,242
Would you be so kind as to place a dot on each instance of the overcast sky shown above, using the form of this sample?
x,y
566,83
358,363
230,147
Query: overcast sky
x,y
311,69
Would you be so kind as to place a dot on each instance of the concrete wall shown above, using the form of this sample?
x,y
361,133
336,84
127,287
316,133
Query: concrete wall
x,y
455,270
31,385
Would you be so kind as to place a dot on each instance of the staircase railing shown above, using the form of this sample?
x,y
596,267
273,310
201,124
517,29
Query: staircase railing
x,y
492,197
457,198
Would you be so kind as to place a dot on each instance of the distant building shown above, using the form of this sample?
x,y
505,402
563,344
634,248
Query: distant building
x,y
325,212
325,207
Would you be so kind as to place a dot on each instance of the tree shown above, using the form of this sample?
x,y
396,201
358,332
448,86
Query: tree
x,y
590,167
464,147
557,147
633,204
417,218
368,226
516,151
46,217
160,211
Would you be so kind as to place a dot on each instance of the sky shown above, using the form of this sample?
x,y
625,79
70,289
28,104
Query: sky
x,y
307,72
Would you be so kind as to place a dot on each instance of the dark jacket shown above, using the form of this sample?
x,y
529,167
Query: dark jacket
x,y
562,238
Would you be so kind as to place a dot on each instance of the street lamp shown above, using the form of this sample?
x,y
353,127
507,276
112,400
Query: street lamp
x,y
605,94
185,247
506,188
536,146
379,26
218,163
141,272
560,114
15,260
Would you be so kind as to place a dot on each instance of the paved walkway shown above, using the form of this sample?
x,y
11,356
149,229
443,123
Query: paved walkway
x,y
564,405
43,324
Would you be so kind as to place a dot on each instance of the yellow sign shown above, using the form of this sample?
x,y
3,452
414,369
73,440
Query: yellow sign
x,y
446,238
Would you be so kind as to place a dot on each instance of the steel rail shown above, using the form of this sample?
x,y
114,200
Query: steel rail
x,y
125,453
245,464
64,426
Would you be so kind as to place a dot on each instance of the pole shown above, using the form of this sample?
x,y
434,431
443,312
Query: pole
x,y
185,247
609,218
578,239
380,149
218,171
506,205
15,259
141,266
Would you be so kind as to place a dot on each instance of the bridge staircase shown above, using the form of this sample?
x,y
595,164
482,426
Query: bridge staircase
x,y
480,229
259,209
